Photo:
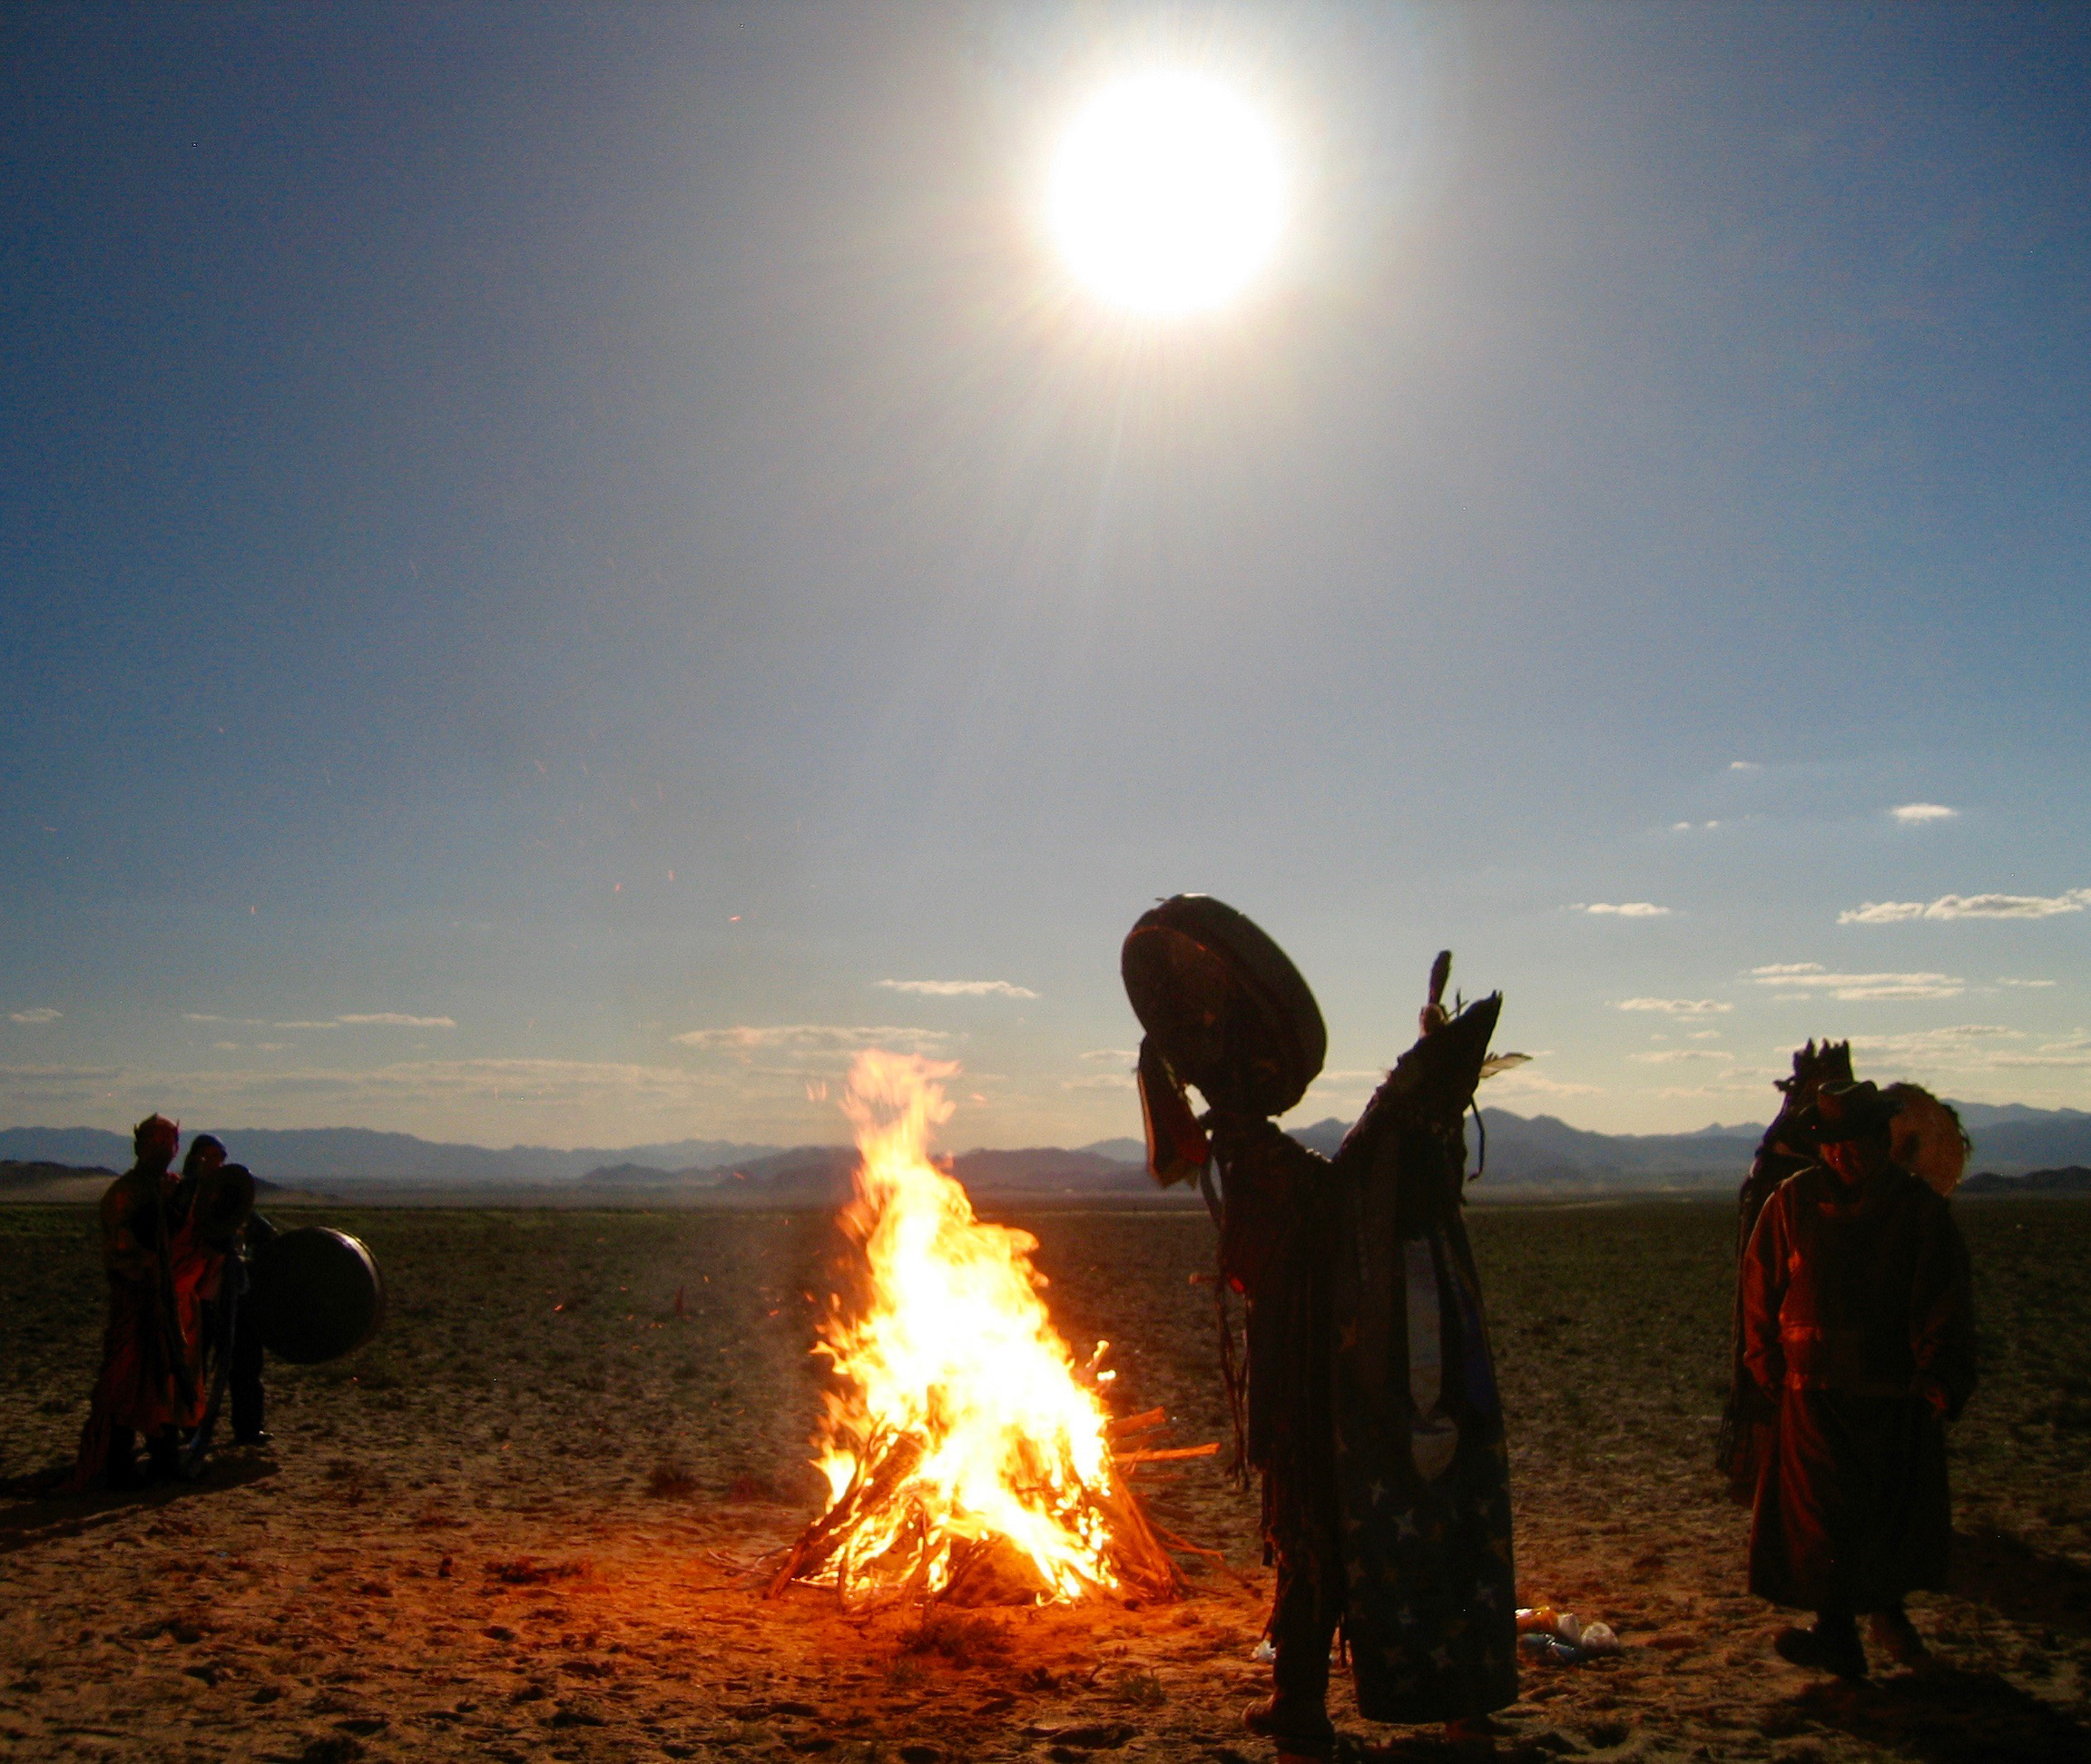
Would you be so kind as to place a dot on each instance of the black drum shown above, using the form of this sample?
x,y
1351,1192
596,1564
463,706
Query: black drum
x,y
1224,1005
316,1294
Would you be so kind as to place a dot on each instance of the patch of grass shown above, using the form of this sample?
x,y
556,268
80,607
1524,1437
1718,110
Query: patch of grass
x,y
1142,1689
672,1480
964,1638
525,1571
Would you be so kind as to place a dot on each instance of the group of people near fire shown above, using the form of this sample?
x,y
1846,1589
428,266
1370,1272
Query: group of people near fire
x,y
1369,1399
174,1247
1372,1409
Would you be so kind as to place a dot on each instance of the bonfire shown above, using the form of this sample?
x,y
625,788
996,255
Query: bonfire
x,y
968,1456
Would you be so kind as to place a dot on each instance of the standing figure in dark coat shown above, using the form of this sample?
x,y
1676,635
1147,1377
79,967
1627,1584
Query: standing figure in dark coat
x,y
248,1400
1858,1328
1373,1411
214,1199
1786,1149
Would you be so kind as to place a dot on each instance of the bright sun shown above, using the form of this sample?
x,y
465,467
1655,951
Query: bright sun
x,y
1167,195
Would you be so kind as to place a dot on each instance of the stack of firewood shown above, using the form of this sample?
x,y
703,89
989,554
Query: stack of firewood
x,y
878,1544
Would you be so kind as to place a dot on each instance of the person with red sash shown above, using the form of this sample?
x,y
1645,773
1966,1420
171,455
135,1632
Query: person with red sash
x,y
150,1382
1858,1331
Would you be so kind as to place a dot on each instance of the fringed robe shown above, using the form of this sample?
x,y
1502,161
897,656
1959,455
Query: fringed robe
x,y
151,1378
1422,1471
1373,1407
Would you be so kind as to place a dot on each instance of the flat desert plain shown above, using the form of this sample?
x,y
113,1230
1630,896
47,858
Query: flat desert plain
x,y
532,1518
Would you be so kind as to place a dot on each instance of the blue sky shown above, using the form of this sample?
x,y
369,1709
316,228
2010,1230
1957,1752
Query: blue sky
x,y
564,568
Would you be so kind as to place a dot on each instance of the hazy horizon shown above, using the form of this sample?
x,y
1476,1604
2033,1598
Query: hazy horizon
x,y
567,569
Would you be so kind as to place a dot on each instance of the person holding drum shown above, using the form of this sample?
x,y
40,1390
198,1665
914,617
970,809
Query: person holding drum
x,y
230,1231
1371,1399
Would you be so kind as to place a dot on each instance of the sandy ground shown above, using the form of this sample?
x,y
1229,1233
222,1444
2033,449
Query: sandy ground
x,y
529,1521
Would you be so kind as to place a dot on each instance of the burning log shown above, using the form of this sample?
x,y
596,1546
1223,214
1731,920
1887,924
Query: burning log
x,y
1207,1450
967,1456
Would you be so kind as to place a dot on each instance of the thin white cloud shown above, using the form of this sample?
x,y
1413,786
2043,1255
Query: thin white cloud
x,y
2069,1055
34,1014
1100,1081
808,1038
1624,910
493,1101
395,1020
1116,1056
1958,1040
360,1020
1805,979
1961,906
1734,1083
1686,1007
1330,1085
1525,1082
2003,981
1674,1056
958,988
1917,814
1745,765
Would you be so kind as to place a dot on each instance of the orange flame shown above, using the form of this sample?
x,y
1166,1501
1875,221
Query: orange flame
x,y
956,1388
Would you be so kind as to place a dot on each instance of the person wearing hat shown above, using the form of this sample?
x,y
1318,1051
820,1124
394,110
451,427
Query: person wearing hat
x,y
214,1205
1858,1334
150,1381
222,1246
1786,1149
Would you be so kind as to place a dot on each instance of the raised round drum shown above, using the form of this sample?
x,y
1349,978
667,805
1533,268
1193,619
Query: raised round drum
x,y
316,1294
1224,1004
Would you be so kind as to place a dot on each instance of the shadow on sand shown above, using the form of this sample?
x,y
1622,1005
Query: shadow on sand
x,y
1949,1717
2020,1582
28,1522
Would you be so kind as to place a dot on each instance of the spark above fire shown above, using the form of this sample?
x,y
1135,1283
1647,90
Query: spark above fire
x,y
967,1456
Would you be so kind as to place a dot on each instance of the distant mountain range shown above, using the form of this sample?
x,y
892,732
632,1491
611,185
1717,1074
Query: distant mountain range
x,y
1529,1153
351,1154
2071,1179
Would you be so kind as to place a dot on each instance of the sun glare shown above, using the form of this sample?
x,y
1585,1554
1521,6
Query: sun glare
x,y
1167,195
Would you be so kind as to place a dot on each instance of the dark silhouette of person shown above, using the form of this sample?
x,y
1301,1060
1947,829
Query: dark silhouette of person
x,y
1859,1335
150,1382
1373,1410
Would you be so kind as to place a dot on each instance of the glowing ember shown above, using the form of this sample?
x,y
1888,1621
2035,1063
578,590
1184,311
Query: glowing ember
x,y
965,1455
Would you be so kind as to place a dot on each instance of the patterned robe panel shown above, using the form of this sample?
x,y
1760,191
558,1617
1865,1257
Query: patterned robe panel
x,y
1422,1472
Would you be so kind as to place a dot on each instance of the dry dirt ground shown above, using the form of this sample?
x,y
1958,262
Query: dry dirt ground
x,y
529,1520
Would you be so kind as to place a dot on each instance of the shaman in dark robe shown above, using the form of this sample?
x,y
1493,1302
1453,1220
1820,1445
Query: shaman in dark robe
x,y
1858,1328
1373,1412
1786,1149
151,1379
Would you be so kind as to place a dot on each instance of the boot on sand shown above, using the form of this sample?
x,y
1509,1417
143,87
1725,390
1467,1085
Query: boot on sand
x,y
1896,1636
1298,1729
1831,1646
